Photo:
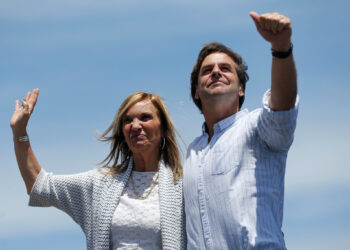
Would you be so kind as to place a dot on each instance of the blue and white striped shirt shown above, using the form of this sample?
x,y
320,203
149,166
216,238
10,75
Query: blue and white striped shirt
x,y
234,185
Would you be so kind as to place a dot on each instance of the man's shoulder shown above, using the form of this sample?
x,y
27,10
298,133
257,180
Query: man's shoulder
x,y
195,142
246,120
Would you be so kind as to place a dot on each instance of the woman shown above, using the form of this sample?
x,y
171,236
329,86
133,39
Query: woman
x,y
117,206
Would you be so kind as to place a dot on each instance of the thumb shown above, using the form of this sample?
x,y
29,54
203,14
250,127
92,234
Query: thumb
x,y
256,18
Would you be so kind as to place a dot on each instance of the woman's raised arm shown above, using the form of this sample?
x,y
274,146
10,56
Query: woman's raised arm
x,y
26,160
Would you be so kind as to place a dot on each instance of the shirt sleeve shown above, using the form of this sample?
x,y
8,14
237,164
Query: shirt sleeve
x,y
276,128
69,193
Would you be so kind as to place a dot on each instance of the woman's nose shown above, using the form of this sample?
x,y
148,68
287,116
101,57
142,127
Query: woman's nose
x,y
136,124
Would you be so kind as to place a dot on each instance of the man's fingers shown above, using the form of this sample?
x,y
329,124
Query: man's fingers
x,y
274,26
280,27
285,23
273,22
266,22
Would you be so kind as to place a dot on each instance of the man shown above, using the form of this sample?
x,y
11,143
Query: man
x,y
234,172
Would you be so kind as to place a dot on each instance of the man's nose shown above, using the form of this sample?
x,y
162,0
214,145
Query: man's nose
x,y
216,72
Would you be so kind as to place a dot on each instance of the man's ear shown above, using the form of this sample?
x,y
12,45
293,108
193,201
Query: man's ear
x,y
196,96
240,90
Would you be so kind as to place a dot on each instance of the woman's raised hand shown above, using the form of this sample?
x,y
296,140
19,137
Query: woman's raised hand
x,y
22,113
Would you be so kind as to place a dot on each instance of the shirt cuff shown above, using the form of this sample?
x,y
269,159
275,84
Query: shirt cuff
x,y
282,114
40,193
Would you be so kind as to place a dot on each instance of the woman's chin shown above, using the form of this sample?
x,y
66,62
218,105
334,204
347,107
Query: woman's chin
x,y
140,147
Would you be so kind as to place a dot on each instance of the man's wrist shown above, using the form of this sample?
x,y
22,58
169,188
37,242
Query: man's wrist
x,y
281,46
282,53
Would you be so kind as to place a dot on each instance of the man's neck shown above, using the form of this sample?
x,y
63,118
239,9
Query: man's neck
x,y
216,113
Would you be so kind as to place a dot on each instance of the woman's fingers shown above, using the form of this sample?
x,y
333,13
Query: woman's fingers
x,y
29,101
33,97
16,105
24,104
27,96
23,112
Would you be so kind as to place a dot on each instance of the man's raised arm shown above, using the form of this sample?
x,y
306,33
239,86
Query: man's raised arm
x,y
277,30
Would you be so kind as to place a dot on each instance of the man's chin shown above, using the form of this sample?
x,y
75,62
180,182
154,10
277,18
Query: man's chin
x,y
219,90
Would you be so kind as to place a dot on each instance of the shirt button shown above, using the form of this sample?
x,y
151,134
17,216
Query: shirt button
x,y
202,211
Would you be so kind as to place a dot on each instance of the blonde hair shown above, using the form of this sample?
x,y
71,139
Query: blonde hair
x,y
169,152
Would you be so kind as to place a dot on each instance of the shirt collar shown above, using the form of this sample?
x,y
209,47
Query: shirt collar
x,y
225,123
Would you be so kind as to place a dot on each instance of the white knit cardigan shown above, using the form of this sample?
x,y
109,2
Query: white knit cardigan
x,y
91,198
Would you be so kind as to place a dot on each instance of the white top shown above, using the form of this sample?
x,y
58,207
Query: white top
x,y
92,197
136,223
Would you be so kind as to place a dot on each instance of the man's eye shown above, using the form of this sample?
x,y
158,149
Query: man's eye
x,y
226,69
206,71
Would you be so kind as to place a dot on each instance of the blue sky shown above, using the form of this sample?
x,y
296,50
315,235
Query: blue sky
x,y
87,56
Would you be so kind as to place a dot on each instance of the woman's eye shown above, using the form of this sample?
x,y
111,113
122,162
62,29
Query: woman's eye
x,y
146,117
126,121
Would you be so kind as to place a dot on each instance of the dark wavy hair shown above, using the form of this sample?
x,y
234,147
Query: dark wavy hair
x,y
208,49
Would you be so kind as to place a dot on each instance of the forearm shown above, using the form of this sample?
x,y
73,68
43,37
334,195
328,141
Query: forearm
x,y
27,162
283,83
277,30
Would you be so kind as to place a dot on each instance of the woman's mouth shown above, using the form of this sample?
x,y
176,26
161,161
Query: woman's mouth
x,y
137,136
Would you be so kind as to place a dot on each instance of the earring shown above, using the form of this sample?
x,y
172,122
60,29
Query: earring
x,y
162,144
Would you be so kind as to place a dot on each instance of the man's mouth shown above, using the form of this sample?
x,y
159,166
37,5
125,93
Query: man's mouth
x,y
215,83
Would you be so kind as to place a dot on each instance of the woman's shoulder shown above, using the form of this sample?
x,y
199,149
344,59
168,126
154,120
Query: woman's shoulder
x,y
99,174
84,178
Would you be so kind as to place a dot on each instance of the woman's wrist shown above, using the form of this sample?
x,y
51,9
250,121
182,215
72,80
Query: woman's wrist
x,y
20,136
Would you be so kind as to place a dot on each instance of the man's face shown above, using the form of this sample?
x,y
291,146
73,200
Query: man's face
x,y
218,77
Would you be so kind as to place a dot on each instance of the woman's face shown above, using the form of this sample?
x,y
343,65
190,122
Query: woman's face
x,y
142,128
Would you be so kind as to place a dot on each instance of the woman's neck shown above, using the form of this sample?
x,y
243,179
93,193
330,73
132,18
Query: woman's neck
x,y
146,162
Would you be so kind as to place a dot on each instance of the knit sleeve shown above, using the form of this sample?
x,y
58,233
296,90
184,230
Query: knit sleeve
x,y
69,193
276,128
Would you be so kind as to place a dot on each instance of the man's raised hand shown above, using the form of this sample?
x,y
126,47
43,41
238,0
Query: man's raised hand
x,y
274,28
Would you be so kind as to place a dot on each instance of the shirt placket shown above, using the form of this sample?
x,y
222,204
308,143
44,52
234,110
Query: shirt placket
x,y
202,201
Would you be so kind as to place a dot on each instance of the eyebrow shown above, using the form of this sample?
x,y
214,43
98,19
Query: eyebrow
x,y
142,113
212,64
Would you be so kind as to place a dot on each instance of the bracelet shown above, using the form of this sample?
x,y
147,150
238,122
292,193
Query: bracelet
x,y
24,138
282,54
